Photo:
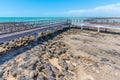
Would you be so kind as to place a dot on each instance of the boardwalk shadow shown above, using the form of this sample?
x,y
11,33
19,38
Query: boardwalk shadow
x,y
15,52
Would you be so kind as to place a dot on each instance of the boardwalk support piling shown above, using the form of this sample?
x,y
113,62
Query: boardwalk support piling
x,y
36,36
98,29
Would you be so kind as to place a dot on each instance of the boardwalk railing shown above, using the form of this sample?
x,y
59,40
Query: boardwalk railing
x,y
12,30
10,27
104,23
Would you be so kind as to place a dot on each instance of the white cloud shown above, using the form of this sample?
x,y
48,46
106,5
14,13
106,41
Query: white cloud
x,y
109,10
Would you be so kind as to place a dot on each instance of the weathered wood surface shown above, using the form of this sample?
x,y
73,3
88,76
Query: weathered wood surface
x,y
98,26
34,31
10,27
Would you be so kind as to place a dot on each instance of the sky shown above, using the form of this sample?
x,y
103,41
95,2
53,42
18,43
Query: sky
x,y
59,8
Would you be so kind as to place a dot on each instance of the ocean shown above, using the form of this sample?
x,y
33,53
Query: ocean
x,y
22,19
14,19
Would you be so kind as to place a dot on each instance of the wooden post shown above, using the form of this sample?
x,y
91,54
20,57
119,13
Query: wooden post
x,y
81,22
4,30
98,29
81,27
36,36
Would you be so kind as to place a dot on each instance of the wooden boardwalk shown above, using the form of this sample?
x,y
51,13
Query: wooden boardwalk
x,y
12,30
4,37
98,26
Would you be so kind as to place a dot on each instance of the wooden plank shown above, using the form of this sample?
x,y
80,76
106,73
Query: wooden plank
x,y
12,36
96,26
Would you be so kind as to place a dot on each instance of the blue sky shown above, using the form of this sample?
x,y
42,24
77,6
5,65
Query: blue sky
x,y
59,8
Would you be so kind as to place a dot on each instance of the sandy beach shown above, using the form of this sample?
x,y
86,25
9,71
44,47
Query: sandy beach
x,y
99,54
72,55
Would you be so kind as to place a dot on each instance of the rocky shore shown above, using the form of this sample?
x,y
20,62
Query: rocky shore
x,y
45,61
63,55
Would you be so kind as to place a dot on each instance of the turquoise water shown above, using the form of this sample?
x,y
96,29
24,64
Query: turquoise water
x,y
11,19
17,19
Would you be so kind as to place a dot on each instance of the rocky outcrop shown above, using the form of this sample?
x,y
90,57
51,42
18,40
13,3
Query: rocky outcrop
x,y
37,63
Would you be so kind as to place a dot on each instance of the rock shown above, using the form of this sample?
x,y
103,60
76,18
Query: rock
x,y
2,49
104,60
21,77
33,73
56,55
41,77
6,73
11,44
60,74
55,70
49,54
1,73
65,57
48,72
43,48
28,78
71,67
24,66
58,52
13,71
48,65
14,74
40,68
51,78
66,73
2,79
30,67
63,64
64,50
61,78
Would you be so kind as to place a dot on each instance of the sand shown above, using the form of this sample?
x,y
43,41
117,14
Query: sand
x,y
99,54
